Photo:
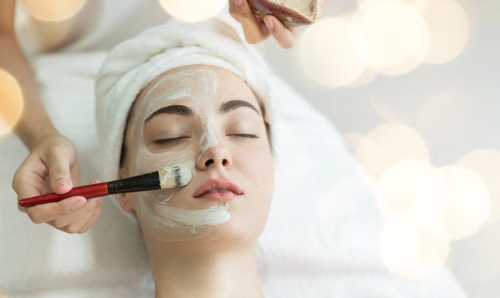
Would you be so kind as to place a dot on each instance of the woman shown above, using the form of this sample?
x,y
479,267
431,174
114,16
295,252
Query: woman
x,y
192,93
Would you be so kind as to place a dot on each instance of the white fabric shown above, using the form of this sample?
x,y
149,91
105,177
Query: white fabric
x,y
303,252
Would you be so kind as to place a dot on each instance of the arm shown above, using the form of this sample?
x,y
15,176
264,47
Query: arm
x,y
52,165
35,123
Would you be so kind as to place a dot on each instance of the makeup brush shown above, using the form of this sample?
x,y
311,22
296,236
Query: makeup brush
x,y
172,176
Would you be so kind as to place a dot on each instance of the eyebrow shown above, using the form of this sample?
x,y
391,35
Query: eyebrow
x,y
182,110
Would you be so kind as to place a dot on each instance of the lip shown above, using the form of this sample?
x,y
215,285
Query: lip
x,y
218,190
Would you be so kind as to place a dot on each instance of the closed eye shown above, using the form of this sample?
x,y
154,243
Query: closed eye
x,y
243,135
171,140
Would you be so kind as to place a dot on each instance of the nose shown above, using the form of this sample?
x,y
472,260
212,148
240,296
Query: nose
x,y
214,157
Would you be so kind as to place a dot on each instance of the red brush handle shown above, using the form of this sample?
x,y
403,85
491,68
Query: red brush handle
x,y
87,191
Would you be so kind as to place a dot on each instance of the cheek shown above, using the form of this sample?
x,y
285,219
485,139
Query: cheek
x,y
146,161
250,214
255,163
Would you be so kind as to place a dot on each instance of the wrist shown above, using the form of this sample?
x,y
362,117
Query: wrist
x,y
32,137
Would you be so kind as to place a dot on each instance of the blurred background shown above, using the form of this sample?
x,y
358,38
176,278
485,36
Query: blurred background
x,y
411,85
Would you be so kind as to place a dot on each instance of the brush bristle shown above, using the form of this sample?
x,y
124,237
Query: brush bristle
x,y
177,175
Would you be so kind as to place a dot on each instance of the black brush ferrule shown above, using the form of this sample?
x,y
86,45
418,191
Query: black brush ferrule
x,y
145,182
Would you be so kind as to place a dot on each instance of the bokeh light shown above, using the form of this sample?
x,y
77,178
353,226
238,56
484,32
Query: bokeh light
x,y
193,11
413,192
53,10
449,30
412,253
468,206
420,5
327,55
390,35
388,144
12,102
368,76
487,164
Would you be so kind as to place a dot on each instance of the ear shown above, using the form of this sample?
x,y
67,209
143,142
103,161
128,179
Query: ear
x,y
125,200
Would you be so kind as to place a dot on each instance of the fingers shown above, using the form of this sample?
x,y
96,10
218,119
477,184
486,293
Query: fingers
x,y
80,221
254,30
282,34
28,180
52,167
48,212
93,220
74,216
59,165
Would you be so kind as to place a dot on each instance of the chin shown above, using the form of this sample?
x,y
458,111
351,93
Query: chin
x,y
242,231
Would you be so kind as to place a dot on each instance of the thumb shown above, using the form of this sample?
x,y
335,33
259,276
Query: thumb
x,y
240,9
59,165
252,27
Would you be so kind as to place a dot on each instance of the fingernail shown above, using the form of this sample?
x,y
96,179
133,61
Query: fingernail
x,y
238,3
269,23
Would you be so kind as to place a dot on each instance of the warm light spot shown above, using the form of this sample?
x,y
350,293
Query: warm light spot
x,y
53,10
327,54
468,202
412,253
193,11
390,35
420,5
413,192
12,103
368,76
389,144
449,30
487,164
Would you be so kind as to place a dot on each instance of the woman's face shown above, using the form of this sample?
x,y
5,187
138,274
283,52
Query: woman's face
x,y
206,116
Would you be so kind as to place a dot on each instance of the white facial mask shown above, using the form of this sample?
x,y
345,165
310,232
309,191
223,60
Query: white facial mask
x,y
172,223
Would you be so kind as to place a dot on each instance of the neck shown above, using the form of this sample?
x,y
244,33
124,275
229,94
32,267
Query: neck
x,y
214,275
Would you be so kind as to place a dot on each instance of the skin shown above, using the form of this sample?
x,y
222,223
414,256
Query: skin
x,y
52,163
258,29
222,264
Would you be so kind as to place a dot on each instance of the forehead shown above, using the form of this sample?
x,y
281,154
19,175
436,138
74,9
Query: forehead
x,y
204,82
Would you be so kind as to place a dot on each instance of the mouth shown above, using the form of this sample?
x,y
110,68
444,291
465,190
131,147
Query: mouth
x,y
218,190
